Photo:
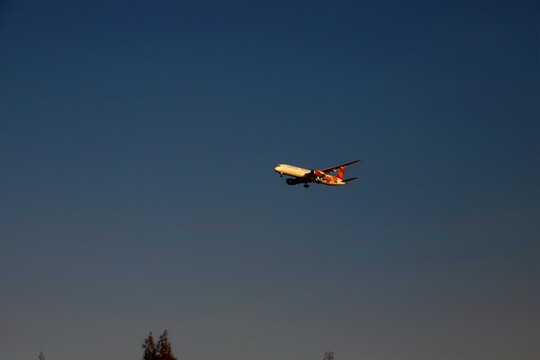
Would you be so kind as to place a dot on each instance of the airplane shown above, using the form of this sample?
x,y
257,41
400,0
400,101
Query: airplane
x,y
306,176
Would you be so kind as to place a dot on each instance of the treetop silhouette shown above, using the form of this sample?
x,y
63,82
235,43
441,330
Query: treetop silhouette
x,y
160,351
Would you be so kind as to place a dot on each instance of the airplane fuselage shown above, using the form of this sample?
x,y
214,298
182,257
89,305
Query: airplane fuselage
x,y
291,170
305,176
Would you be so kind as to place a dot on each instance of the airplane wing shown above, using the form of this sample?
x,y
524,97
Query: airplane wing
x,y
336,168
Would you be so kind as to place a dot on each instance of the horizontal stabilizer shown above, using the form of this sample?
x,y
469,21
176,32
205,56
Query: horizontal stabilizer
x,y
351,179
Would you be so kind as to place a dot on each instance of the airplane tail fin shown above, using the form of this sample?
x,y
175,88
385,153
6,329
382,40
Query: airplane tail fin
x,y
341,173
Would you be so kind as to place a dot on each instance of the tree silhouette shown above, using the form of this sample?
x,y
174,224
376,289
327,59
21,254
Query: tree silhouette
x,y
149,348
41,356
328,355
160,351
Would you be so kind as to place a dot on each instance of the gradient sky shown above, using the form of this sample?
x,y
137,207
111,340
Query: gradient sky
x,y
137,147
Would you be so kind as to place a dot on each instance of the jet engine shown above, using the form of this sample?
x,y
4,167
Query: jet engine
x,y
315,173
292,181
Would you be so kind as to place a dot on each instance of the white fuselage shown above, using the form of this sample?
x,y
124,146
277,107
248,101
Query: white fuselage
x,y
291,170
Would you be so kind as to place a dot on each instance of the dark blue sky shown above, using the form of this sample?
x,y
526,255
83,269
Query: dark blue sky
x,y
137,147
